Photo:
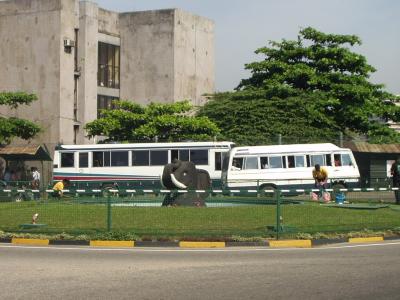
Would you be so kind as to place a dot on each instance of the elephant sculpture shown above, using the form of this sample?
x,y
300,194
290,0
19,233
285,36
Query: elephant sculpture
x,y
183,175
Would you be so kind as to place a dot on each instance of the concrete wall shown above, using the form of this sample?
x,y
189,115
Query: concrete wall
x,y
87,65
108,22
166,56
30,32
69,20
147,56
194,57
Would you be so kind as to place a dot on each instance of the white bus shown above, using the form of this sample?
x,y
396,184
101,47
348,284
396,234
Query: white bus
x,y
134,165
288,166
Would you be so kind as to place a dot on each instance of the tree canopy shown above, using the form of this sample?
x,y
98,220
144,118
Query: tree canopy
x,y
12,127
310,89
131,122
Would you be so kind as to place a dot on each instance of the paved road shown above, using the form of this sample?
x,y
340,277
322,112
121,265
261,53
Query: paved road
x,y
338,272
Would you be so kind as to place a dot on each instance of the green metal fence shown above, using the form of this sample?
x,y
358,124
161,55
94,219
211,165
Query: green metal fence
x,y
224,214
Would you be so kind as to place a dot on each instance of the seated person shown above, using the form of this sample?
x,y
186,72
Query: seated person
x,y
236,164
320,176
59,187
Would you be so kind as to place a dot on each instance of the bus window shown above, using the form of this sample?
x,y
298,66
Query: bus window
x,y
119,159
264,162
67,160
107,158
346,160
184,155
299,161
158,157
83,160
337,159
199,157
101,158
317,159
98,160
218,161
180,154
140,158
251,163
174,155
275,162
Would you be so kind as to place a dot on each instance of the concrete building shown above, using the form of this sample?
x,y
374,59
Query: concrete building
x,y
77,58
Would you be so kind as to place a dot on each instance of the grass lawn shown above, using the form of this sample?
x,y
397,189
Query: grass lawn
x,y
72,216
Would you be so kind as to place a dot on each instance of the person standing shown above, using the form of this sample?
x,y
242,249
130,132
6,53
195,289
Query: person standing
x,y
395,172
35,181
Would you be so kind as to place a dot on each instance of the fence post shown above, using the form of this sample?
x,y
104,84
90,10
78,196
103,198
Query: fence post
x,y
278,213
108,211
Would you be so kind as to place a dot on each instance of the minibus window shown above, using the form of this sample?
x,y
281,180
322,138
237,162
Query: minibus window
x,y
291,162
299,160
317,159
328,160
275,162
237,163
337,159
251,163
346,160
264,162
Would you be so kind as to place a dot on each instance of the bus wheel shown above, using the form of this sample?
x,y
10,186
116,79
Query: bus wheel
x,y
106,191
19,197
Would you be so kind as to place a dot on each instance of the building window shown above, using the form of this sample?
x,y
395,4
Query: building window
x,y
104,102
108,68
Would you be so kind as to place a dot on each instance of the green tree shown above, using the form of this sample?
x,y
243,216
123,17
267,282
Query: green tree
x,y
12,127
310,89
131,122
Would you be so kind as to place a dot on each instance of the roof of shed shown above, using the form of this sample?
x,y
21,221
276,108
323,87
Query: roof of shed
x,y
26,152
372,148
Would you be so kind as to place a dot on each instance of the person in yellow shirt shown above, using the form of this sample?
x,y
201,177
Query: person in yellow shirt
x,y
320,176
59,187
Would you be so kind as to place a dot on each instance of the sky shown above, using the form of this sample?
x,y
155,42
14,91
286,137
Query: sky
x,y
242,26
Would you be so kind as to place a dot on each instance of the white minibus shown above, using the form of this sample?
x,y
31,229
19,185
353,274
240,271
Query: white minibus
x,y
288,166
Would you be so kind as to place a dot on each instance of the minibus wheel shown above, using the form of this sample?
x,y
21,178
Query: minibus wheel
x,y
265,190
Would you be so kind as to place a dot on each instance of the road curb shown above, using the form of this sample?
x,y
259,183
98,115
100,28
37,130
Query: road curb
x,y
188,244
37,242
112,244
290,244
366,239
198,244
